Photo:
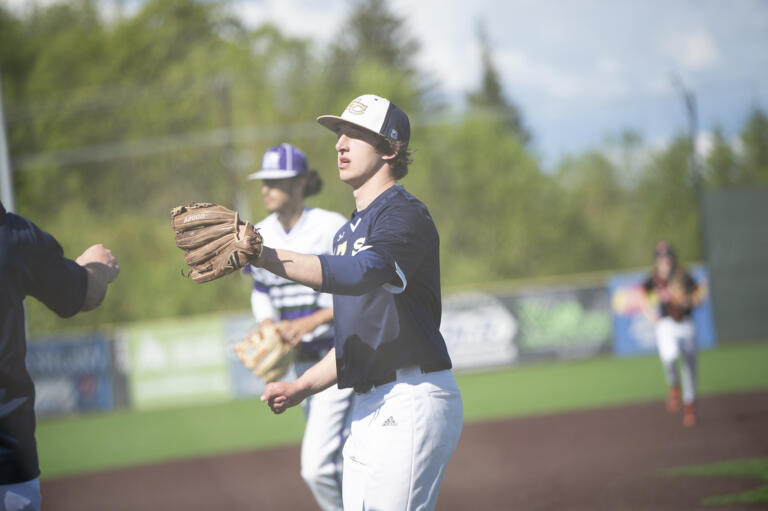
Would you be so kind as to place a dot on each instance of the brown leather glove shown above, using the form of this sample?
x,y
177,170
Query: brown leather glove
x,y
209,234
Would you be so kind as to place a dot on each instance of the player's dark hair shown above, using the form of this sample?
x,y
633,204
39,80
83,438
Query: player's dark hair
x,y
399,164
313,183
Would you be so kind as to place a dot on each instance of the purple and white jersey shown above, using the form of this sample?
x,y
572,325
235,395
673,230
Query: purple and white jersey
x,y
280,299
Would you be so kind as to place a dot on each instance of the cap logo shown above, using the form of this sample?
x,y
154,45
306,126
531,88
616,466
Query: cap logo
x,y
393,134
357,108
271,160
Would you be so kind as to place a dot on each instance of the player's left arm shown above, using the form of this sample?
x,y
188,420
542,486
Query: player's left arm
x,y
390,254
282,395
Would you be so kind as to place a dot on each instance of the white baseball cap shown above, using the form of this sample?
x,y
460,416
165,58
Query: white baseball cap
x,y
372,113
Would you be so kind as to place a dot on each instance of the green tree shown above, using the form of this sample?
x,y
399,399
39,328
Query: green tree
x,y
754,138
373,32
127,119
490,99
721,163
496,211
591,187
667,197
375,53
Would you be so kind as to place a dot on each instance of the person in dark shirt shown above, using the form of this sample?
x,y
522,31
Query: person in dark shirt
x,y
384,275
672,294
32,263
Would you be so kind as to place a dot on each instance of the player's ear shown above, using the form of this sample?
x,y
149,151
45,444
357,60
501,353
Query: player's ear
x,y
388,150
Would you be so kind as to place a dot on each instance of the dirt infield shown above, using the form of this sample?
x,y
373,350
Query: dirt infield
x,y
603,459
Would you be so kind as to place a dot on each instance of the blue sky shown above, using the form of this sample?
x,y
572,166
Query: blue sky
x,y
580,70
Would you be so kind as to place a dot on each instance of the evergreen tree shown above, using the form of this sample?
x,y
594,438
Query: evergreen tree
x,y
721,163
754,138
489,97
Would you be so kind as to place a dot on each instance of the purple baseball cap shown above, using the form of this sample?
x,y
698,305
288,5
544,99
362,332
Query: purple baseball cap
x,y
372,113
281,161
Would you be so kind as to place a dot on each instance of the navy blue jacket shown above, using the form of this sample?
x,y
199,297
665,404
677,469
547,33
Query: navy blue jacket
x,y
385,280
31,263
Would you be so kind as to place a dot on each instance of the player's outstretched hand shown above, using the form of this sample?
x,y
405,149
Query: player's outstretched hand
x,y
102,269
282,395
101,257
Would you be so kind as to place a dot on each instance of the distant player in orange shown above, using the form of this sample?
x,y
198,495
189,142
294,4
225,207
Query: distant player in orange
x,y
673,294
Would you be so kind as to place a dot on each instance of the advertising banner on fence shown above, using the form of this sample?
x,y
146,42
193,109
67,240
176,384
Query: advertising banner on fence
x,y
177,361
633,332
561,322
478,330
70,375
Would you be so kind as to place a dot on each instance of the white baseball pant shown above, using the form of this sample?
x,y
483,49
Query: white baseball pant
x,y
401,438
327,414
673,339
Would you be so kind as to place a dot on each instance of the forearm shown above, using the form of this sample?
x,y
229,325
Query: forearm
x,y
320,376
101,268
320,317
302,268
98,281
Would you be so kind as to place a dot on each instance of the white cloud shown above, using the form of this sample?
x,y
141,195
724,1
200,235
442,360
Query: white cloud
x,y
520,71
692,51
297,18
607,64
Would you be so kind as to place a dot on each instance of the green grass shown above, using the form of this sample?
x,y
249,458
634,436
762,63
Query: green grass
x,y
93,442
572,385
755,468
97,441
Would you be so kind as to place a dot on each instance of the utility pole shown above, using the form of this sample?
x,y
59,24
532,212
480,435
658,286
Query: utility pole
x,y
689,99
6,178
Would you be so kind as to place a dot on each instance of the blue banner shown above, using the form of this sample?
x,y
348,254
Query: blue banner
x,y
71,375
633,333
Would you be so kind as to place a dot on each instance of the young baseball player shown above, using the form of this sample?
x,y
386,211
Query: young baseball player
x,y
32,263
385,278
675,294
304,314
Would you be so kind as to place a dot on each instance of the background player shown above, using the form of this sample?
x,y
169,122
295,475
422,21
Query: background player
x,y
675,293
32,263
385,280
306,314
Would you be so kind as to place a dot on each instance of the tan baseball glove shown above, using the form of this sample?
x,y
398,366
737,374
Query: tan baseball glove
x,y
265,353
210,236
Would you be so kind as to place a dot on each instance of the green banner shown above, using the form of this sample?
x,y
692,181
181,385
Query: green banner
x,y
177,362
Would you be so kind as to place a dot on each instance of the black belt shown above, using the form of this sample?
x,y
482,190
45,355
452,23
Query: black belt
x,y
314,350
364,386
